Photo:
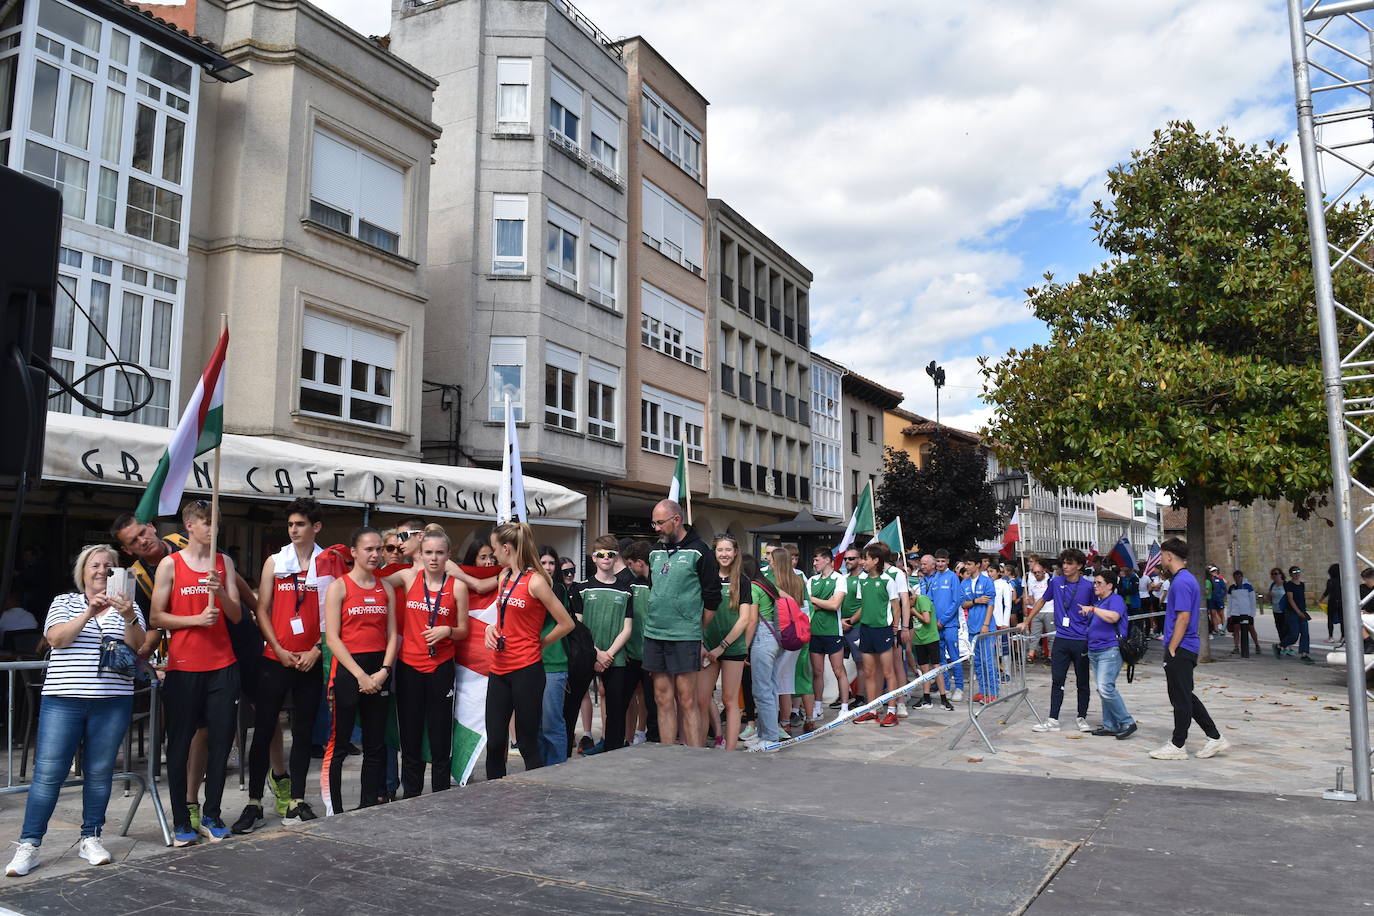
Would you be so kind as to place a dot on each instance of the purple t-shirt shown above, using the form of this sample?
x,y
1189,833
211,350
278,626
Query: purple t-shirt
x,y
1101,634
1067,596
1184,595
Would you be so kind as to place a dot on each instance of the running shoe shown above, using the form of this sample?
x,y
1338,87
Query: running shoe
x,y
639,738
213,829
748,733
1049,725
958,694
795,720
866,717
811,725
720,742
837,703
924,701
251,819
584,744
1169,751
902,711
281,789
1082,724
817,710
1214,746
944,701
597,748
183,835
25,858
92,850
298,813
193,809
1127,732
888,720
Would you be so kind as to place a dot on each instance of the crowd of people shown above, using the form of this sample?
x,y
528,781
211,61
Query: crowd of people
x,y
676,641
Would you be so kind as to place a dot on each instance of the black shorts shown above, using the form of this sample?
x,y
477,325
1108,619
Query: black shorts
x,y
734,658
672,656
928,653
874,640
1240,620
827,645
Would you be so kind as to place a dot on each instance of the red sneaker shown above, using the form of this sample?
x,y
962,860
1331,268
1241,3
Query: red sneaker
x,y
866,717
888,720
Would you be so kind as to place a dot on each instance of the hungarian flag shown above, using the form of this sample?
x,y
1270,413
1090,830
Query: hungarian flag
x,y
472,664
200,430
679,491
1011,535
860,522
1121,554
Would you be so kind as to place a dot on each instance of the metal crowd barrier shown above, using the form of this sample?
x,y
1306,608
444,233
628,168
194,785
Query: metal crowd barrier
x,y
146,783
998,677
846,716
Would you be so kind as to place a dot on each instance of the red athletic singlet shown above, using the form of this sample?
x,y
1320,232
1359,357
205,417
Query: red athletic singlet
x,y
414,619
292,600
524,618
362,617
197,648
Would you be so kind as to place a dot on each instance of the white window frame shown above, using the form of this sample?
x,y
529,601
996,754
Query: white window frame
x,y
665,417
605,138
671,326
562,367
561,227
505,353
603,254
515,74
670,133
670,228
510,208
565,100
349,182
325,335
602,377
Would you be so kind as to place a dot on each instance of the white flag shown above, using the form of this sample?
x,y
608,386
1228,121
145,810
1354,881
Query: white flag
x,y
512,477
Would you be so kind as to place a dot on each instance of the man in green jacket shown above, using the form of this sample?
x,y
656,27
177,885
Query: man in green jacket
x,y
684,583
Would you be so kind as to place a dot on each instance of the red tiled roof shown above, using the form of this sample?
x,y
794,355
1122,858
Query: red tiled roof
x,y
929,426
1103,513
171,26
1175,518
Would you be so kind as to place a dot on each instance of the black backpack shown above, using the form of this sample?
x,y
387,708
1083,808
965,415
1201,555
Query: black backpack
x,y
581,651
1133,647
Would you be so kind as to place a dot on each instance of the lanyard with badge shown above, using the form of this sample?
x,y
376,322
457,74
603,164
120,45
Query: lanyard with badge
x,y
1062,602
501,612
434,607
297,624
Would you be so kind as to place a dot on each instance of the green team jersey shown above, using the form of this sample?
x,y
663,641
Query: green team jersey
x,y
876,594
555,656
727,614
639,604
825,623
928,632
604,608
768,609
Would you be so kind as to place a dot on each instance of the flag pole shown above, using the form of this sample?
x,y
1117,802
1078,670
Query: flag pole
x,y
214,485
686,478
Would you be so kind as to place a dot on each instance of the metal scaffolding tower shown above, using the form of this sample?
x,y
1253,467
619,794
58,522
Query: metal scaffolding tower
x,y
1333,78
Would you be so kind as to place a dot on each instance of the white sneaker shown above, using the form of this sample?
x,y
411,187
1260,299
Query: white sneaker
x,y
1049,725
902,710
1167,751
957,695
817,711
640,738
92,850
25,858
1214,746
1083,725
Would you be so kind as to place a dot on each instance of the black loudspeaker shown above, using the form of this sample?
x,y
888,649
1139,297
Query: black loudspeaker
x,y
30,233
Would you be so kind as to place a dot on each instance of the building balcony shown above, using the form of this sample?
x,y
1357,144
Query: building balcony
x,y
775,319
789,328
727,288
805,490
760,310
746,475
745,393
791,486
727,379
761,478
775,403
727,472
743,299
789,406
760,393
802,335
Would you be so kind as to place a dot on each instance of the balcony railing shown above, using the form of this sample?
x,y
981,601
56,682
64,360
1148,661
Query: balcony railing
x,y
760,392
777,483
760,478
745,390
805,494
790,406
727,471
743,299
791,486
727,288
746,475
802,335
776,401
727,379
760,310
775,319
789,328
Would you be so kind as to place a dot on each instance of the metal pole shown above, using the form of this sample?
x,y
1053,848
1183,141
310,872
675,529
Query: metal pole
x,y
1334,390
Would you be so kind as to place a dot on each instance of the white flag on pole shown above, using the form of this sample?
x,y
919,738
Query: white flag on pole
x,y
512,492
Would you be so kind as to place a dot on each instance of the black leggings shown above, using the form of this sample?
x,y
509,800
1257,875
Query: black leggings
x,y
347,702
644,682
195,698
620,686
1069,653
1178,674
520,692
424,702
275,683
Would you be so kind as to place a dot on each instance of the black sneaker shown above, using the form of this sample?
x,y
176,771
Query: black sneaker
x,y
1126,732
944,701
837,704
298,813
251,819
924,701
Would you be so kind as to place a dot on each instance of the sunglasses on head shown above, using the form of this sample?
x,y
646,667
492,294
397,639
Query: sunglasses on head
x,y
404,536
604,555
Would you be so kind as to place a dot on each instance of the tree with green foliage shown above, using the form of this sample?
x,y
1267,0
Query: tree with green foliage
x,y
947,502
1189,361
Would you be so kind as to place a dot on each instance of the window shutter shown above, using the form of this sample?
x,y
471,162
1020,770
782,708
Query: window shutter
x,y
565,220
605,125
382,197
324,336
603,373
562,358
605,242
374,347
334,172
691,251
652,207
565,93
672,223
694,329
513,70
508,351
510,206
651,302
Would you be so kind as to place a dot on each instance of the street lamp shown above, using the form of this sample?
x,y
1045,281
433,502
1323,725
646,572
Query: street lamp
x,y
1235,535
937,375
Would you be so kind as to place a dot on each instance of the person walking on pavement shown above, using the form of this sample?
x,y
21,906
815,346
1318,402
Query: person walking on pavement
x,y
1181,644
1295,599
1242,612
1108,621
1278,603
1068,591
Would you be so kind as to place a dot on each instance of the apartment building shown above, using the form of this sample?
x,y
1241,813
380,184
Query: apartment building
x,y
862,405
1142,508
827,440
760,403
667,358
531,296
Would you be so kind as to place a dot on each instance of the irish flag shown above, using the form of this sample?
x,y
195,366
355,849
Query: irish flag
x,y
860,522
200,430
679,491
472,665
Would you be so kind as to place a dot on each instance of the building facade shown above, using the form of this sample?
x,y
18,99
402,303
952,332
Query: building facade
x,y
531,293
667,349
827,440
761,397
862,406
1143,509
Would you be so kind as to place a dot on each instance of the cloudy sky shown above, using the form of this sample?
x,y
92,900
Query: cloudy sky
x,y
929,161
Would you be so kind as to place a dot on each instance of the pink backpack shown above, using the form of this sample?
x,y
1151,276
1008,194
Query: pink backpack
x,y
794,627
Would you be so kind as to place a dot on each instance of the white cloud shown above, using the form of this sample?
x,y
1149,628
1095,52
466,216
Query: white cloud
x,y
892,146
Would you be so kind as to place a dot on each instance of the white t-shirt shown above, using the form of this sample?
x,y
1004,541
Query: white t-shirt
x,y
75,670
1035,590
1144,586
1003,596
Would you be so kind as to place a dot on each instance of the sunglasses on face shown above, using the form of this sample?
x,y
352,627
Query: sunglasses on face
x,y
569,571
391,548
404,536
603,555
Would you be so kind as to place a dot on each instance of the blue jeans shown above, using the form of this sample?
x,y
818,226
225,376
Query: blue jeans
x,y
98,726
949,652
1106,666
764,656
1298,631
553,731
